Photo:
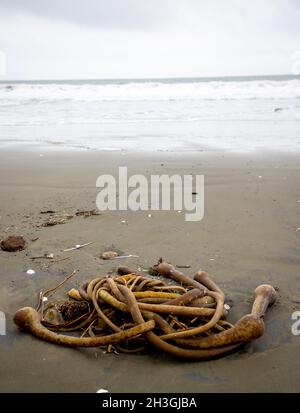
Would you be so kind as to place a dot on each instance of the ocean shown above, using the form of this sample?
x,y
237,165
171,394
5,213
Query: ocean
x,y
238,114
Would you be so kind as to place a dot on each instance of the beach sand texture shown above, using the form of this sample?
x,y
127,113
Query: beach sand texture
x,y
247,237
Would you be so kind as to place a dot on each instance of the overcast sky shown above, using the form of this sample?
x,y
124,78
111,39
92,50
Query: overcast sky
x,y
68,39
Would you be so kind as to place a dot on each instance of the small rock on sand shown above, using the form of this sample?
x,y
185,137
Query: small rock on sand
x,y
13,243
109,255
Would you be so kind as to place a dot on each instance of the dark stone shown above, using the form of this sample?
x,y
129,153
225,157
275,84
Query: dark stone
x,y
13,243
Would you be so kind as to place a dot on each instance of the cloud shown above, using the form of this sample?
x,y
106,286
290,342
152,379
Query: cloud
x,y
101,13
143,14
139,38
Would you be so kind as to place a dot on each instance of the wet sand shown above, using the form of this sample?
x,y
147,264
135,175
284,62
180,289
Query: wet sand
x,y
248,236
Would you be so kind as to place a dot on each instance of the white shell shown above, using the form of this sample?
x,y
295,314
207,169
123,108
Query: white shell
x,y
102,391
30,272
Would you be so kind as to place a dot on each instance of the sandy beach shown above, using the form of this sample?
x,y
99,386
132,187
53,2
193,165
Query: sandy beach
x,y
248,236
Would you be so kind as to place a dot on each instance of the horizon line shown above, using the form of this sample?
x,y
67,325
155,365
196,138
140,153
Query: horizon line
x,y
147,78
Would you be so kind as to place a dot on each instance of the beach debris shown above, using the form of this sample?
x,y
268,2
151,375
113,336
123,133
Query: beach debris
x,y
110,349
124,222
57,220
78,246
278,109
49,211
52,315
127,256
109,255
102,391
298,229
123,270
34,239
149,215
130,313
71,310
73,293
30,272
44,294
87,213
183,266
59,260
13,243
47,256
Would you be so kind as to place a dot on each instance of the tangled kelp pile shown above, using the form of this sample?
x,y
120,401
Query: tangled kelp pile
x,y
131,312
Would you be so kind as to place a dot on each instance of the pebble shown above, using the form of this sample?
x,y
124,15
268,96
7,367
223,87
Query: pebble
x,y
108,255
